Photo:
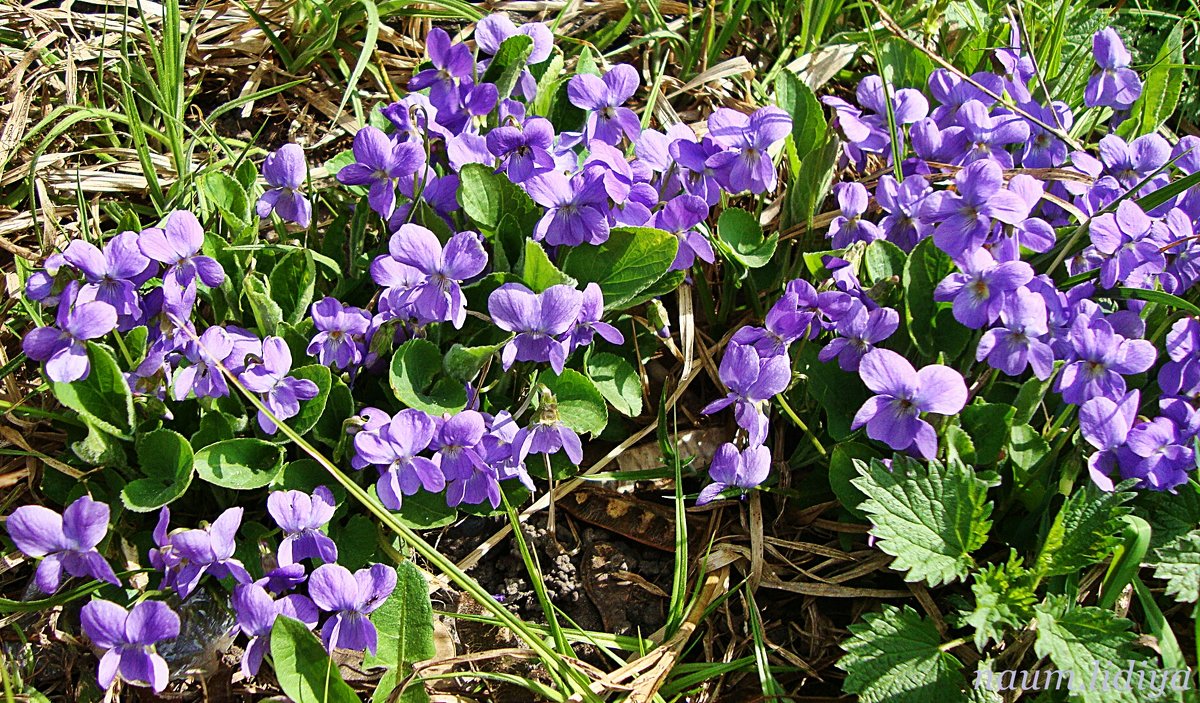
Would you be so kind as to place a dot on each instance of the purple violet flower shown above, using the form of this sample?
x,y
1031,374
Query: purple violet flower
x,y
747,166
539,321
393,445
341,333
301,517
752,381
202,375
603,98
438,298
575,208
128,638
1016,344
902,202
64,542
983,287
1116,85
679,216
256,613
859,331
963,218
64,348
589,323
451,63
351,597
1102,358
209,550
524,149
285,170
112,276
269,378
378,162
849,227
893,416
177,245
1105,424
733,469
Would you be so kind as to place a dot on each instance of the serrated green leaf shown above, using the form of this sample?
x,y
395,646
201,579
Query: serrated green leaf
x,y
166,460
580,405
1004,600
1080,640
842,472
1179,565
405,626
305,672
242,463
539,273
1084,531
103,398
742,236
416,379
631,261
1171,515
894,657
617,381
929,516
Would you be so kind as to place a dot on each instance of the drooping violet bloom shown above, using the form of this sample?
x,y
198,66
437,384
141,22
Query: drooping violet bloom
x,y
679,216
462,109
64,542
499,452
1127,241
451,63
547,435
341,333
203,375
415,119
393,446
983,287
438,298
603,98
256,613
301,517
590,323
468,478
1019,69
982,136
282,579
752,381
539,321
351,597
954,92
902,202
963,219
1183,271
1131,163
788,319
849,227
128,638
64,347
1156,453
893,416
285,170
1016,344
209,550
733,469
746,165
177,244
164,556
859,331
269,378
1105,424
698,177
112,276
46,286
1102,358
524,149
1044,150
1116,85
575,208
378,162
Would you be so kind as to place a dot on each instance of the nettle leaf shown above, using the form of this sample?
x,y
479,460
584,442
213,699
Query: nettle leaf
x,y
742,236
242,463
1004,600
894,656
929,516
539,273
305,672
103,398
506,67
988,424
626,266
292,283
1085,530
405,626
580,404
1083,639
1179,565
617,381
463,363
1170,515
931,325
417,381
166,460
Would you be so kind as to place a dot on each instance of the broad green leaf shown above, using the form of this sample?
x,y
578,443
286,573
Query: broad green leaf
x,y
743,238
166,460
904,66
357,541
463,363
241,463
929,516
417,381
103,398
1026,447
959,445
1004,600
883,260
506,67
1081,640
312,409
811,184
617,381
1084,531
424,511
931,325
99,448
808,117
1161,88
988,424
405,626
230,199
1179,565
842,472
503,212
1029,398
580,405
214,427
628,264
894,657
539,273
267,313
292,282
841,394
304,671
340,406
